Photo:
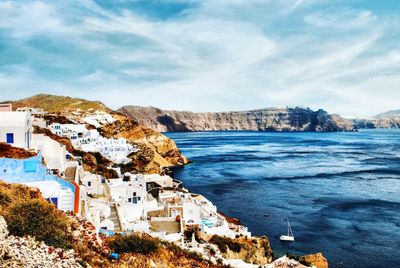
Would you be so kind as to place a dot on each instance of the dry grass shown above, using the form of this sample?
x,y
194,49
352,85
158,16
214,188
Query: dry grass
x,y
59,104
170,227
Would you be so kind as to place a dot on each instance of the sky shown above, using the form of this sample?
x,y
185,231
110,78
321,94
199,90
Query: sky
x,y
205,55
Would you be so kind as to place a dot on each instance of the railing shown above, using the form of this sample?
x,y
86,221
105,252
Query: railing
x,y
119,217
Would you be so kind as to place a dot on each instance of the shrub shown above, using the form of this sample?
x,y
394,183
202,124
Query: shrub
x,y
188,234
5,200
224,243
39,219
134,243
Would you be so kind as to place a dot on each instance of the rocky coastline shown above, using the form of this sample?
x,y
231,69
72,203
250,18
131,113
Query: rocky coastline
x,y
269,119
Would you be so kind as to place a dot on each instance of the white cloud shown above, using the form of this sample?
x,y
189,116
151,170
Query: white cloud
x,y
341,19
216,55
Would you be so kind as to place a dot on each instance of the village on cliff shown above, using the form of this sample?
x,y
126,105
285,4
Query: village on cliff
x,y
155,204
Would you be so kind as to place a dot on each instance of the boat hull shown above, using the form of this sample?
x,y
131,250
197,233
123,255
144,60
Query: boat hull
x,y
286,238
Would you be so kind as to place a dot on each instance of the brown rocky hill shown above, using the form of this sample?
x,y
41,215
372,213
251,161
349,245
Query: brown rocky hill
x,y
59,104
8,151
390,119
157,153
269,119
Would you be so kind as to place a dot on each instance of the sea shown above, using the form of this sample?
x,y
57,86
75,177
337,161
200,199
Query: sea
x,y
340,191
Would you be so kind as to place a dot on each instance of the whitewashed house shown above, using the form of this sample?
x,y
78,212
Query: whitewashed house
x,y
33,111
99,118
93,183
116,150
131,203
54,153
130,192
5,107
16,129
87,140
74,132
191,213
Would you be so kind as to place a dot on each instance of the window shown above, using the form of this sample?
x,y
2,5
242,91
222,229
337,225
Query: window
x,y
134,193
30,166
129,200
89,183
10,137
138,199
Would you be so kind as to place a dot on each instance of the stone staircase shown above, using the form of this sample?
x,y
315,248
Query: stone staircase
x,y
114,218
66,200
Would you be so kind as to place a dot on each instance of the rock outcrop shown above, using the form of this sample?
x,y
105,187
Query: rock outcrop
x,y
270,119
315,260
157,152
255,250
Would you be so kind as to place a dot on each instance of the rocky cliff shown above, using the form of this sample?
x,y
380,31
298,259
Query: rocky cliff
x,y
157,152
270,119
390,119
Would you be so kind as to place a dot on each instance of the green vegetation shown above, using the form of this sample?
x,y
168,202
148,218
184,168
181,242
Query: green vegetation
x,y
224,243
39,219
134,243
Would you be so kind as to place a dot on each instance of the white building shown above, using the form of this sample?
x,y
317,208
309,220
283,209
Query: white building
x,y
99,119
131,192
132,203
98,213
5,107
116,150
71,131
16,129
93,183
54,153
87,140
191,213
33,111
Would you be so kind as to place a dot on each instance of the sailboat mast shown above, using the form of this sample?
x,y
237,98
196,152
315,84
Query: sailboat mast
x,y
288,227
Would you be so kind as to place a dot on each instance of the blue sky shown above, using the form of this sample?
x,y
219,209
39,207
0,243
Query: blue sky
x,y
210,55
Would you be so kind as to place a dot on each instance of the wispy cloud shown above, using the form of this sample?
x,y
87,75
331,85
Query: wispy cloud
x,y
203,55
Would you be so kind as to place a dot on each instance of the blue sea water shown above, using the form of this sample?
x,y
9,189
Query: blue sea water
x,y
341,191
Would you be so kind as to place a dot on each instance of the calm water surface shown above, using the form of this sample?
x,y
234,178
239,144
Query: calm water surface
x,y
341,191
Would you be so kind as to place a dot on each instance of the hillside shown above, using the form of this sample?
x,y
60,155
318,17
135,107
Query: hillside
x,y
43,236
157,152
269,119
388,114
390,120
59,104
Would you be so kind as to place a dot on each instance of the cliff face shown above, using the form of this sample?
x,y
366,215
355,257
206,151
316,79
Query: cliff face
x,y
389,123
271,119
390,119
157,152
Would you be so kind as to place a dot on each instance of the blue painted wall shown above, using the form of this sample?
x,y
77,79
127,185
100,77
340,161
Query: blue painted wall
x,y
28,170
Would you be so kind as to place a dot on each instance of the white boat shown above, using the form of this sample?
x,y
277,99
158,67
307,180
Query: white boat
x,y
289,237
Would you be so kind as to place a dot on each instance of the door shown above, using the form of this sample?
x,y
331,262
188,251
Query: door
x,y
10,138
